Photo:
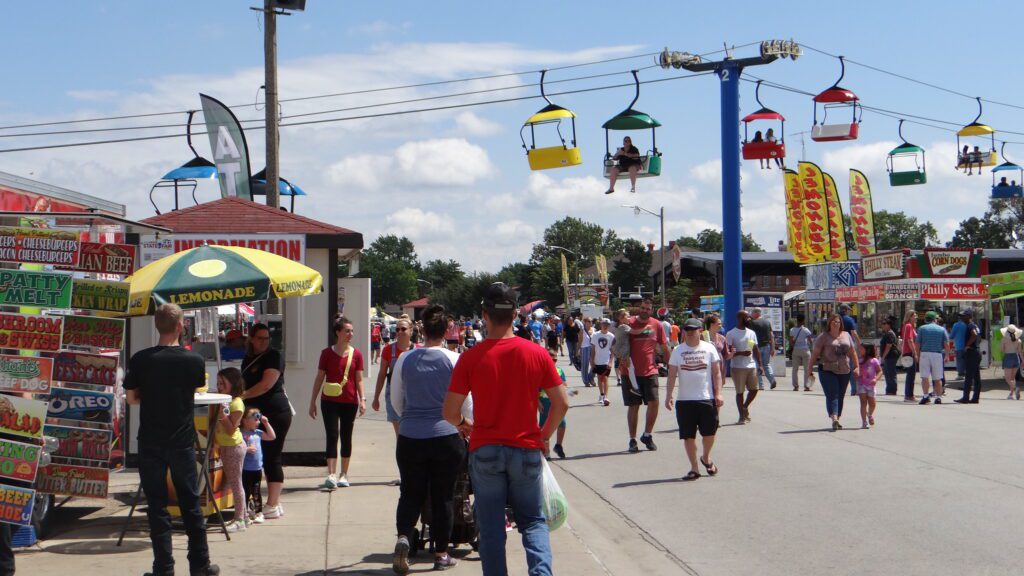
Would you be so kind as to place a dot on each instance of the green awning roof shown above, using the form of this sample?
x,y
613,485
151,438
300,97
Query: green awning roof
x,y
906,148
1010,296
631,120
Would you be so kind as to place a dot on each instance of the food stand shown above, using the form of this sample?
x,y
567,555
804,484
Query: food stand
x,y
944,280
1005,305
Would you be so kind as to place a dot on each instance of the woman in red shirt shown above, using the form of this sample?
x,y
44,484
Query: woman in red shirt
x,y
909,336
339,384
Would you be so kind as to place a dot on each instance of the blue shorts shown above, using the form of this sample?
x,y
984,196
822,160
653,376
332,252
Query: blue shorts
x,y
545,409
392,415
1011,361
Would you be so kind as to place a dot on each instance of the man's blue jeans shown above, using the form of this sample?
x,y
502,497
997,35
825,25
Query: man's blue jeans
x,y
766,362
588,377
503,474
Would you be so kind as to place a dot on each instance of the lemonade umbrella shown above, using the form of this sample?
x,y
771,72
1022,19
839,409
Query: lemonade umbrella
x,y
215,275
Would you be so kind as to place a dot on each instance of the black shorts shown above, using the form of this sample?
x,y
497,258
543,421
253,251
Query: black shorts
x,y
694,415
648,390
375,345
602,369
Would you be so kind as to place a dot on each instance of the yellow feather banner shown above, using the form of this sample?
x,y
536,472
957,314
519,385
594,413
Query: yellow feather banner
x,y
836,229
816,239
862,214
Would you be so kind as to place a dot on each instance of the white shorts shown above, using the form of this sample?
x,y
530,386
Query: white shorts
x,y
932,366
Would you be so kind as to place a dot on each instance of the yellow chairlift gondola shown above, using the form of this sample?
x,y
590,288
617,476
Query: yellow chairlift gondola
x,y
967,158
559,156
898,163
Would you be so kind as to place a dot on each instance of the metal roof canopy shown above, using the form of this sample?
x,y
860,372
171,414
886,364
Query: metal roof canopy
x,y
61,194
83,220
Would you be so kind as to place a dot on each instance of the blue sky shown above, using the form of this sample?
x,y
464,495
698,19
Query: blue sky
x,y
444,176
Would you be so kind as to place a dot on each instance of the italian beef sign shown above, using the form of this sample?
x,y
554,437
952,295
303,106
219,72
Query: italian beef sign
x,y
103,258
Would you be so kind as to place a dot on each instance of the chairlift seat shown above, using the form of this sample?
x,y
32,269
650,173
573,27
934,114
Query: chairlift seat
x,y
1008,191
650,165
973,159
908,178
835,132
763,150
553,157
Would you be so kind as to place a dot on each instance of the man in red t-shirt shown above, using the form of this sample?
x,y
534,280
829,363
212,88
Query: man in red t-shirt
x,y
646,336
375,343
505,375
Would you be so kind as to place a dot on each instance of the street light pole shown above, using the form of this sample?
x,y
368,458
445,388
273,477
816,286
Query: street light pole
x,y
728,71
660,215
567,306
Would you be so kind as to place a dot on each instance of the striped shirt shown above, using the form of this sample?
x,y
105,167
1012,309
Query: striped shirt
x,y
932,338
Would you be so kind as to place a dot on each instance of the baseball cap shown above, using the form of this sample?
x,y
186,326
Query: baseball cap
x,y
931,315
968,313
498,296
605,321
692,324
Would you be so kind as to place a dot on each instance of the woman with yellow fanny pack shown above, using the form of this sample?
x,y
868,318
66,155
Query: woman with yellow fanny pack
x,y
339,385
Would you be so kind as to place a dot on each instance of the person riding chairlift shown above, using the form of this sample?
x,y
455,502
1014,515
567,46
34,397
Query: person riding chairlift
x,y
627,158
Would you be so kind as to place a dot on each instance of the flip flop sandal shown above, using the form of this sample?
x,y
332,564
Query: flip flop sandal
x,y
691,475
710,467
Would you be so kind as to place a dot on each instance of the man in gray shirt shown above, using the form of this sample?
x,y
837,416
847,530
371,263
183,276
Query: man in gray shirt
x,y
766,344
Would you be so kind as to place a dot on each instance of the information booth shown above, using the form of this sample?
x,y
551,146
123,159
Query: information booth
x,y
947,281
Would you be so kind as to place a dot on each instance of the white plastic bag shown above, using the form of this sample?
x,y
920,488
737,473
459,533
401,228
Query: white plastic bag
x,y
556,507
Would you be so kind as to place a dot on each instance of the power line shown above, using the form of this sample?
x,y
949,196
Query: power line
x,y
336,94
361,117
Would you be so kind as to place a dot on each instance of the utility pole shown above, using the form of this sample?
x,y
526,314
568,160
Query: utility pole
x,y
270,91
660,215
728,70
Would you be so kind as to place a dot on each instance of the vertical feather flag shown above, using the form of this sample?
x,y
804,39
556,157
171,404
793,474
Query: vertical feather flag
x,y
862,214
796,223
836,229
812,184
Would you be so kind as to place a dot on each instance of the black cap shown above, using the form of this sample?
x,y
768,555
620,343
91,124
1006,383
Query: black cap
x,y
692,324
498,296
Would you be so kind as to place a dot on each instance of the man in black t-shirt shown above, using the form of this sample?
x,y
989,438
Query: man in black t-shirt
x,y
163,380
765,343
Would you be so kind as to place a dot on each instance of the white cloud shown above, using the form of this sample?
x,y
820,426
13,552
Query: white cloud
x,y
447,162
94,95
470,124
419,224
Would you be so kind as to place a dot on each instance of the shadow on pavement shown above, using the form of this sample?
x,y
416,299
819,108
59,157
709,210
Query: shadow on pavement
x,y
647,482
594,455
808,431
93,547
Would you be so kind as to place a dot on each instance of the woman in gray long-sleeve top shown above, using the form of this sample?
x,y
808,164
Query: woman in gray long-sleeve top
x,y
430,451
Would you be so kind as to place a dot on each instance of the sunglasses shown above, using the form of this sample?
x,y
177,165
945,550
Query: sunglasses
x,y
402,330
690,328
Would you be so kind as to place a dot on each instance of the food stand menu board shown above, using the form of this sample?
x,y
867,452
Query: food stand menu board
x,y
16,505
100,296
87,444
31,331
30,288
73,480
104,258
39,246
81,406
22,417
19,374
19,461
93,331
82,368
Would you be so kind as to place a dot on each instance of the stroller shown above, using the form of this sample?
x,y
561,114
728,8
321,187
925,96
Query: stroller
x,y
464,527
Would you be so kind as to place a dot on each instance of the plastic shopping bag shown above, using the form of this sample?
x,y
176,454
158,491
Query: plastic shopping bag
x,y
556,508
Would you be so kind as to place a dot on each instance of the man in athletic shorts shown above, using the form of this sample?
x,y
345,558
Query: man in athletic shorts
x,y
696,362
745,363
646,337
601,359
931,341
375,338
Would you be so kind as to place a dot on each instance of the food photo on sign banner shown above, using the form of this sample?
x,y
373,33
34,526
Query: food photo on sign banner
x,y
100,296
93,331
39,246
80,405
31,288
73,480
19,461
22,417
30,332
83,368
88,446
25,374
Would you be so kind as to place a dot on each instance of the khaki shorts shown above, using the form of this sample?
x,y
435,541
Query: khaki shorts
x,y
744,378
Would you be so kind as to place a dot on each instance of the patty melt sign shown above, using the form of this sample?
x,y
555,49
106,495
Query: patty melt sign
x,y
29,288
82,368
18,461
73,480
39,246
29,374
30,332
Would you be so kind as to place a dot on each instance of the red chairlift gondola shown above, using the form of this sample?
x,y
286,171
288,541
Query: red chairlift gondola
x,y
767,147
836,97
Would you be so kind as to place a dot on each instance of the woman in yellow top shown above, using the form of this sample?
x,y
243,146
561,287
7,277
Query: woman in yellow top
x,y
229,438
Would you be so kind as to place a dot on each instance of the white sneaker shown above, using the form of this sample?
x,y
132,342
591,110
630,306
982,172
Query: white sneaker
x,y
1009,396
331,482
235,527
343,481
280,509
273,513
258,519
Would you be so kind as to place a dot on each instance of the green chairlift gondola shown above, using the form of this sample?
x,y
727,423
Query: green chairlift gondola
x,y
901,172
630,119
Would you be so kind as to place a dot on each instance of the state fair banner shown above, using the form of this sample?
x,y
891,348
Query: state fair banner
x,y
796,224
837,231
862,213
812,183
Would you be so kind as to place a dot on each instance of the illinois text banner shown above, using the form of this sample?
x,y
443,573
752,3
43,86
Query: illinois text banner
x,y
862,214
836,229
812,183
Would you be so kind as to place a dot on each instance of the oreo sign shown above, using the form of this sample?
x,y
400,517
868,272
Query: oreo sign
x,y
81,405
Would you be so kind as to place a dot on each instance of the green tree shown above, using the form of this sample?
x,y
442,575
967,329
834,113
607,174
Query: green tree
x,y
440,273
519,275
710,240
462,296
989,231
678,296
632,270
895,230
391,264
546,280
